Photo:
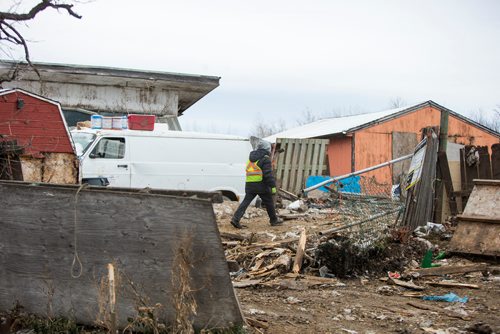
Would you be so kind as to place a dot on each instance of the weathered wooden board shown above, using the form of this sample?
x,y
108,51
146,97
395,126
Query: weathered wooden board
x,y
301,158
484,200
213,196
478,230
403,143
495,161
473,237
41,227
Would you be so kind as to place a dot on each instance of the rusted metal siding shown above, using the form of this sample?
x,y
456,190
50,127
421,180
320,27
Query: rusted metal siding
x,y
340,155
373,145
37,125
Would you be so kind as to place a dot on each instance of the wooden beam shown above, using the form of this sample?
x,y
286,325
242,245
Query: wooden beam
x,y
493,220
454,285
299,256
446,270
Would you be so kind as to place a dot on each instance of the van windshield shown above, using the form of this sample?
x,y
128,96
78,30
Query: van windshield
x,y
82,141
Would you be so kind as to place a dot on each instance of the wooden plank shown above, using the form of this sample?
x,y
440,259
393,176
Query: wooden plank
x,y
471,169
491,220
214,197
299,185
247,283
301,248
444,168
288,158
463,179
484,168
484,201
478,230
495,161
280,160
478,238
43,227
448,270
487,182
315,157
293,165
322,154
447,284
257,323
408,285
308,160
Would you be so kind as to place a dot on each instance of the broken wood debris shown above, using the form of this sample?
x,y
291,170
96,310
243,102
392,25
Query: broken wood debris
x,y
256,323
451,284
405,284
297,264
447,270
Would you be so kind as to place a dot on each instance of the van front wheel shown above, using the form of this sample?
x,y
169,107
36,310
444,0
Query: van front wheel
x,y
228,196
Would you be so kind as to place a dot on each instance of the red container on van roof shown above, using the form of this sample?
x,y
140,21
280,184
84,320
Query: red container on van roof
x,y
141,122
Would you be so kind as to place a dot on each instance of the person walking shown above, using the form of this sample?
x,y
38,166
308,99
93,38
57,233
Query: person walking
x,y
259,182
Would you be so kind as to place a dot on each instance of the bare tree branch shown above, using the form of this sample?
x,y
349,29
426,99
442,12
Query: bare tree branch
x,y
37,9
397,102
9,34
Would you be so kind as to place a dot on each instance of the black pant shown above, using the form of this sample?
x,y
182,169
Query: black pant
x,y
267,201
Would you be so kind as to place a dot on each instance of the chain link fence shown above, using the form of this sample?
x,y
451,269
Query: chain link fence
x,y
360,204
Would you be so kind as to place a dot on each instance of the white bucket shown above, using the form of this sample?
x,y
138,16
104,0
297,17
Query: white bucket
x,y
96,121
117,123
107,122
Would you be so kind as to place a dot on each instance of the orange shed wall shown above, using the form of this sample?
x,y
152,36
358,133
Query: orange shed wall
x,y
461,132
373,145
339,155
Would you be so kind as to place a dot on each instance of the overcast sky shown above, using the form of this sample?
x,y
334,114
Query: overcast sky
x,y
277,59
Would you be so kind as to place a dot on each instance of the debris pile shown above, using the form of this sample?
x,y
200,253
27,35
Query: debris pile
x,y
348,257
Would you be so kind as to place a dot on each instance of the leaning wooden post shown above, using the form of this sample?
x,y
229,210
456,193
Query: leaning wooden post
x,y
443,144
301,248
112,297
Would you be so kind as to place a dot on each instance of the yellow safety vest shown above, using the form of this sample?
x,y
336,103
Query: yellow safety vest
x,y
254,173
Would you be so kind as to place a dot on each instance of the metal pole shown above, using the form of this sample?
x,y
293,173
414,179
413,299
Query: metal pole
x,y
369,219
337,178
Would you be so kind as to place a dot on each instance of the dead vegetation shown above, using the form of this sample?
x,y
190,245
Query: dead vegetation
x,y
183,300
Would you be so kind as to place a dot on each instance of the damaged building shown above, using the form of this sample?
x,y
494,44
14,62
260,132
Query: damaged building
x,y
40,146
85,90
360,141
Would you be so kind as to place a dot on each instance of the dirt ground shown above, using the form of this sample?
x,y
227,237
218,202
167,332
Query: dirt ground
x,y
363,304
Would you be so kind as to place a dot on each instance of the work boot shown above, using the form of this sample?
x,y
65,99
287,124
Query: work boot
x,y
277,222
236,224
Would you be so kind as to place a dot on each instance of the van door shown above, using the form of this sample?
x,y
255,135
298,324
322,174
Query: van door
x,y
109,158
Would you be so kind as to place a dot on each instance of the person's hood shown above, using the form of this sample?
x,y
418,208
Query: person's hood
x,y
265,145
258,154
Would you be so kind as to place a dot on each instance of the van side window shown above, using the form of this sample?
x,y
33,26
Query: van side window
x,y
110,148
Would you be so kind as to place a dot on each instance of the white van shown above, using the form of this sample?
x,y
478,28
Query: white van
x,y
163,159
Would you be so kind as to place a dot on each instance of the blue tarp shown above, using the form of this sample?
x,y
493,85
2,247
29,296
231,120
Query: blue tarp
x,y
350,184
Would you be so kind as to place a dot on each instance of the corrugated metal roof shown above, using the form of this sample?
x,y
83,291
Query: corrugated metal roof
x,y
329,126
346,124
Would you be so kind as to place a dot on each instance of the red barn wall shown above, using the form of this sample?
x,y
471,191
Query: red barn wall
x,y
38,126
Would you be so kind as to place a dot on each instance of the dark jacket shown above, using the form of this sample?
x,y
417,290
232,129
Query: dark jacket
x,y
264,163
